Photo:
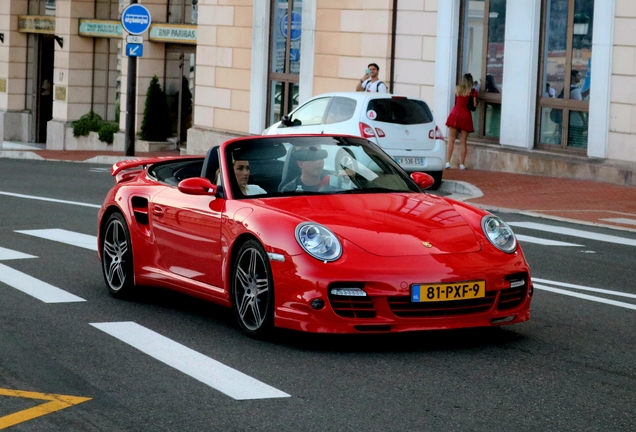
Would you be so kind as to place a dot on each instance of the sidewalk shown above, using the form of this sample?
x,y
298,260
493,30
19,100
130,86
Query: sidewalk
x,y
580,201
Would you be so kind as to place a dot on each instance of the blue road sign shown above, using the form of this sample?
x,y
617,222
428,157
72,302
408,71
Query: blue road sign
x,y
134,50
136,19
296,20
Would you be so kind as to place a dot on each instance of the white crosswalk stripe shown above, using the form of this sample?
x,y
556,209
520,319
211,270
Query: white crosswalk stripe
x,y
543,284
8,254
30,285
35,287
574,233
223,378
33,197
63,236
546,242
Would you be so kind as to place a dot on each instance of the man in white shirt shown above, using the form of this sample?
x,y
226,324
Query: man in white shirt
x,y
370,81
549,91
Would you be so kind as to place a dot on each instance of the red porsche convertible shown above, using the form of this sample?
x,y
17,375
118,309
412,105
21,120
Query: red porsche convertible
x,y
314,233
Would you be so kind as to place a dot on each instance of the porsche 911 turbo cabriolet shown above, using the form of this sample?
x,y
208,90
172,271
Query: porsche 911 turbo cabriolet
x,y
321,233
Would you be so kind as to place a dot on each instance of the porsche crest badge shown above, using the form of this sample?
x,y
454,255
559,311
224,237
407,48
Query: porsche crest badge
x,y
427,245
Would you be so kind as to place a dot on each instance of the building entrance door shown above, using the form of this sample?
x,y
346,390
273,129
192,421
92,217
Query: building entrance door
x,y
43,90
179,87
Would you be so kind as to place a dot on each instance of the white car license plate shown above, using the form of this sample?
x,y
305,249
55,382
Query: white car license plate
x,y
410,161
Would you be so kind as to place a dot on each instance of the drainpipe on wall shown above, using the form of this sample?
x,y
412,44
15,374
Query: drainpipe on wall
x,y
393,32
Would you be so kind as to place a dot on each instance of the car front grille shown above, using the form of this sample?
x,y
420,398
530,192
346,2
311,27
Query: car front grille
x,y
511,298
404,308
352,307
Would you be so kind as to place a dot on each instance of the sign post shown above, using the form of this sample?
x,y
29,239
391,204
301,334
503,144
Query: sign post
x,y
136,20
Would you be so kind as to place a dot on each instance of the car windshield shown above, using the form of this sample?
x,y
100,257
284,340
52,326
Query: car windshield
x,y
285,166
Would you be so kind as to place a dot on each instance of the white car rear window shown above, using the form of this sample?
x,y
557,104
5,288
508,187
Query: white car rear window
x,y
400,111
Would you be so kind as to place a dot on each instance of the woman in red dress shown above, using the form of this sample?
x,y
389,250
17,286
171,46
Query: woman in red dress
x,y
460,119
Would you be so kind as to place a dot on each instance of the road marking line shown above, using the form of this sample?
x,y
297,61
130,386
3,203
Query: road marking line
x,y
50,199
229,381
574,233
542,241
63,236
621,221
8,254
35,287
57,402
585,288
586,297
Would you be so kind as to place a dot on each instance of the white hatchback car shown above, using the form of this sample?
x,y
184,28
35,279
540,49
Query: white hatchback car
x,y
402,126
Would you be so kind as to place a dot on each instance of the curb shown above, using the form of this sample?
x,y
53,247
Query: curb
x,y
459,190
19,154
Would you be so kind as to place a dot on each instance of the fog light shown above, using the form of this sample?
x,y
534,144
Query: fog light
x,y
317,304
517,283
349,292
503,320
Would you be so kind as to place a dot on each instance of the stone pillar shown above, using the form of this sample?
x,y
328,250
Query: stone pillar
x,y
601,89
521,60
73,73
14,121
446,60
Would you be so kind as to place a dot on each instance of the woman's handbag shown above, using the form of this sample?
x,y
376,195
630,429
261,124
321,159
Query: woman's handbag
x,y
471,103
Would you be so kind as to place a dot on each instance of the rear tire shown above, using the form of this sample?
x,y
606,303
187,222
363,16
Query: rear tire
x,y
253,290
117,263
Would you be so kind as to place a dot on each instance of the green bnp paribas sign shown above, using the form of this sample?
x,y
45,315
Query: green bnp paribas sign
x,y
101,28
159,32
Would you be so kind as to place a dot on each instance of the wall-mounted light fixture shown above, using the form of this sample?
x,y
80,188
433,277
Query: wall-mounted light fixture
x,y
581,24
60,41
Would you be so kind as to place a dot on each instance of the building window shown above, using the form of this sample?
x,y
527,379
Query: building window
x,y
284,58
482,38
183,11
566,58
41,7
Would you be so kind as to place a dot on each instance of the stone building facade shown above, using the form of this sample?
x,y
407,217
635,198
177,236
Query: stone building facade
x,y
556,78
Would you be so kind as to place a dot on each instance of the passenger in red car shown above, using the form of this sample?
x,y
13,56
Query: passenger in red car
x,y
311,162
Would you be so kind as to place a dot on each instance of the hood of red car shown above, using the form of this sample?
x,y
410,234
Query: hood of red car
x,y
391,224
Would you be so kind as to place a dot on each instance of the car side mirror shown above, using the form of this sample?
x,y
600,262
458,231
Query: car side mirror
x,y
286,121
197,186
423,180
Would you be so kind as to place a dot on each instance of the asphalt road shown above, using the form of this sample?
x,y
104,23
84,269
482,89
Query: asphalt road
x,y
571,367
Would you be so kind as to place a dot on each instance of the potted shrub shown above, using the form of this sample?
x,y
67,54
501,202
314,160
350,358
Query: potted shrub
x,y
156,122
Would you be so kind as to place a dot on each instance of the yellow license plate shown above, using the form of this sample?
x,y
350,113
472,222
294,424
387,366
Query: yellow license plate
x,y
445,292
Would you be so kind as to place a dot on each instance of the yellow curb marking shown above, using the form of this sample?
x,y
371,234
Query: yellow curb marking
x,y
57,402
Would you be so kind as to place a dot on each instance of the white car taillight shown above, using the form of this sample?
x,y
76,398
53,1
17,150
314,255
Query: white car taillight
x,y
438,134
380,133
366,131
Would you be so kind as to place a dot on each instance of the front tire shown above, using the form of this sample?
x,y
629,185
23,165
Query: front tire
x,y
437,176
253,290
117,264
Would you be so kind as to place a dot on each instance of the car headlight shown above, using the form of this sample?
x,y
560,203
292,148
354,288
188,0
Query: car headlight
x,y
499,233
318,241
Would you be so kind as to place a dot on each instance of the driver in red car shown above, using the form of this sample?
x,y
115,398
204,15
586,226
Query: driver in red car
x,y
242,173
311,161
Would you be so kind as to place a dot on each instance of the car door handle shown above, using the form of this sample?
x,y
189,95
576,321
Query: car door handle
x,y
158,211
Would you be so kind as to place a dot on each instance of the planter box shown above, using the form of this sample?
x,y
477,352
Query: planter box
x,y
89,142
142,146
